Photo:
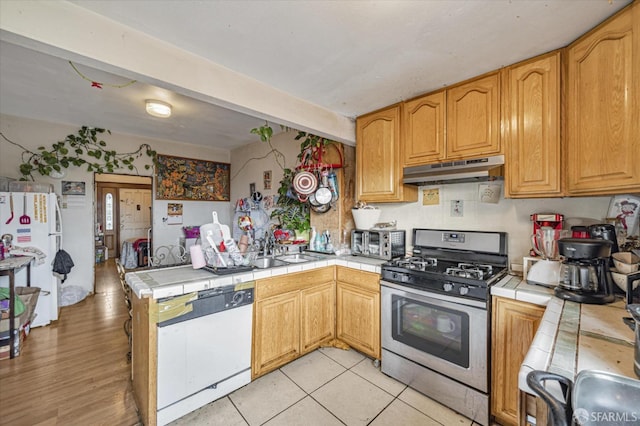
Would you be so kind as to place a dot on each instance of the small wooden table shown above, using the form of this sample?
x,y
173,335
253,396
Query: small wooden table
x,y
9,267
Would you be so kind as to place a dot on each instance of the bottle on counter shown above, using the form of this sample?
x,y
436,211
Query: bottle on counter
x,y
312,239
328,245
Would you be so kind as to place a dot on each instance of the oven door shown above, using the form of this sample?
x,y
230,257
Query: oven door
x,y
436,331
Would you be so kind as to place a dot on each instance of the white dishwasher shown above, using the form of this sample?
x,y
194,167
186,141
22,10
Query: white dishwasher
x,y
204,354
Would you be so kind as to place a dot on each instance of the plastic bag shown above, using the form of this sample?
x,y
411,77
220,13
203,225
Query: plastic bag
x,y
72,295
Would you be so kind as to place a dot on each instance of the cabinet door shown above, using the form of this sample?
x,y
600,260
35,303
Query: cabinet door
x,y
378,158
276,332
603,108
424,124
317,316
358,322
514,326
531,99
473,118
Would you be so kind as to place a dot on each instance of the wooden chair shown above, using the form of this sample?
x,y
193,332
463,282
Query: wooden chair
x,y
126,290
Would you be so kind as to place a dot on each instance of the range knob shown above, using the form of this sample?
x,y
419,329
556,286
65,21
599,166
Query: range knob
x,y
464,290
447,287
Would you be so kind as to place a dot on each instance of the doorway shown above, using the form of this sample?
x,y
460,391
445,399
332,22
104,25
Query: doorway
x,y
123,212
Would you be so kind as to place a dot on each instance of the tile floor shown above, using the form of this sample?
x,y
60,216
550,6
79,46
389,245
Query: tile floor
x,y
326,387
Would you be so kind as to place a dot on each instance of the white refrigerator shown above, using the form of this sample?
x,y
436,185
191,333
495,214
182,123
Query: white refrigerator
x,y
34,224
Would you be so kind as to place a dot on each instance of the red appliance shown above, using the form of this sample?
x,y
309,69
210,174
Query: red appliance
x,y
580,232
553,220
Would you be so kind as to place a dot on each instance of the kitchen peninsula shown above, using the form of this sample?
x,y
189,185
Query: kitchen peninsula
x,y
567,338
331,287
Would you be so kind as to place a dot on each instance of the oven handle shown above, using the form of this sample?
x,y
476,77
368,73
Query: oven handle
x,y
436,296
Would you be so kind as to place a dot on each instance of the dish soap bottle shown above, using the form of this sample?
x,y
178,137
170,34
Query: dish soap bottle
x,y
312,239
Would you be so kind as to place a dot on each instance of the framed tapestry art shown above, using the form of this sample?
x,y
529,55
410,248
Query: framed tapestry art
x,y
180,178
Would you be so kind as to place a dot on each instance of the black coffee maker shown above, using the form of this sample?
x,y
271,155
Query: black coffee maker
x,y
605,231
584,272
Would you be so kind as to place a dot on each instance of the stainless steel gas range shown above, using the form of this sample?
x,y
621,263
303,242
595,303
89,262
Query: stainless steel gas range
x,y
436,316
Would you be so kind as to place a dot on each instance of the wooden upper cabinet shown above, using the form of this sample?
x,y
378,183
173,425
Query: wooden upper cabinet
x,y
473,118
531,121
378,158
424,129
603,108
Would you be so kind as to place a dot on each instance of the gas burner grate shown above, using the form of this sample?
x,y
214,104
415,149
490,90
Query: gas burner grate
x,y
464,273
417,263
470,270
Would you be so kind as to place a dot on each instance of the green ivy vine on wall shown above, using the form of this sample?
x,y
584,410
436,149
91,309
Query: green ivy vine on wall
x,y
84,148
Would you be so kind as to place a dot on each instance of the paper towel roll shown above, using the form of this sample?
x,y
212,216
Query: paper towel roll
x,y
197,256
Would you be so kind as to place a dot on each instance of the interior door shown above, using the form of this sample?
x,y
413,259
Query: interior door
x,y
107,218
135,213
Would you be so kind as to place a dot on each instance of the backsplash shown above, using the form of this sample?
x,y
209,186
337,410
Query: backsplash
x,y
460,208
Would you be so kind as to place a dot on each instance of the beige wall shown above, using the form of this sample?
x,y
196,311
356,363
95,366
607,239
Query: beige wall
x,y
78,217
247,166
249,163
509,215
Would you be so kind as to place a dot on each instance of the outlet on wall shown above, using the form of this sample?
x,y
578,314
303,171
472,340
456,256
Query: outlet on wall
x,y
457,208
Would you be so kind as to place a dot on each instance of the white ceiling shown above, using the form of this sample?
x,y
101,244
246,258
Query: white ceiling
x,y
348,57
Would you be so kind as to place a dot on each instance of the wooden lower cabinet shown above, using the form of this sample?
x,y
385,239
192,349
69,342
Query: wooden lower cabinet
x,y
514,325
293,314
276,332
318,316
358,310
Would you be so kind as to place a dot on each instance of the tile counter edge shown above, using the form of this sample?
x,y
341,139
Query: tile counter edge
x,y
558,345
142,289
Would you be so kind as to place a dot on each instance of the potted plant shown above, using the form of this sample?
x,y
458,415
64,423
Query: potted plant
x,y
85,148
291,213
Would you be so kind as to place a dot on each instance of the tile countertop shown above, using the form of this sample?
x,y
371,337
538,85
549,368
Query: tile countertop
x,y
175,281
572,336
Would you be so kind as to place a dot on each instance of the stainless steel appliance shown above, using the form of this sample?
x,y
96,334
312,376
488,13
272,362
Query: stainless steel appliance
x,y
584,273
379,244
204,352
634,324
458,171
436,316
594,398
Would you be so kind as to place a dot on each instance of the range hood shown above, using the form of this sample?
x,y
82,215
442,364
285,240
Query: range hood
x,y
475,170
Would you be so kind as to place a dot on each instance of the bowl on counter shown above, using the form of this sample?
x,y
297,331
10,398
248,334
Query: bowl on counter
x,y
626,262
621,280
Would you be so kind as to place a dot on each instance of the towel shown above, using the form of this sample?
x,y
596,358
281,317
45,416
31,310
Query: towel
x,y
34,252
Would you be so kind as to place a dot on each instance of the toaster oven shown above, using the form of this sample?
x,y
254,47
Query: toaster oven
x,y
385,245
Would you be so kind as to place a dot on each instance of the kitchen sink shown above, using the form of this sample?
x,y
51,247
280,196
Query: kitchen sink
x,y
268,262
298,258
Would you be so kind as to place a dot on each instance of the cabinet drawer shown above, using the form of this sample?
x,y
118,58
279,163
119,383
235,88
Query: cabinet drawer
x,y
361,279
290,282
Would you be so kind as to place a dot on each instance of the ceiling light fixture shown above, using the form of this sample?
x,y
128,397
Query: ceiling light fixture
x,y
158,108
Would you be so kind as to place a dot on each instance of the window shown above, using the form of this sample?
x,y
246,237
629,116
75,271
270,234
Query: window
x,y
108,212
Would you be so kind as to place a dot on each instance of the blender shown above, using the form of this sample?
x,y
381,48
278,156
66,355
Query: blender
x,y
546,271
545,220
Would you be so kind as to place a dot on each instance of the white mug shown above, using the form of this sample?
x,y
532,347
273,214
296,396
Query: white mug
x,y
445,324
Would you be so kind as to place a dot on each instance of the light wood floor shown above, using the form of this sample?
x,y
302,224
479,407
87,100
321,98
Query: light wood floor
x,y
75,371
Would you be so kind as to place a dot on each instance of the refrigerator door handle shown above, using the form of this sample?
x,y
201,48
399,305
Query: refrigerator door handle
x,y
57,223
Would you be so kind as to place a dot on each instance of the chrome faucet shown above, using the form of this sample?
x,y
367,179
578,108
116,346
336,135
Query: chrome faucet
x,y
269,246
